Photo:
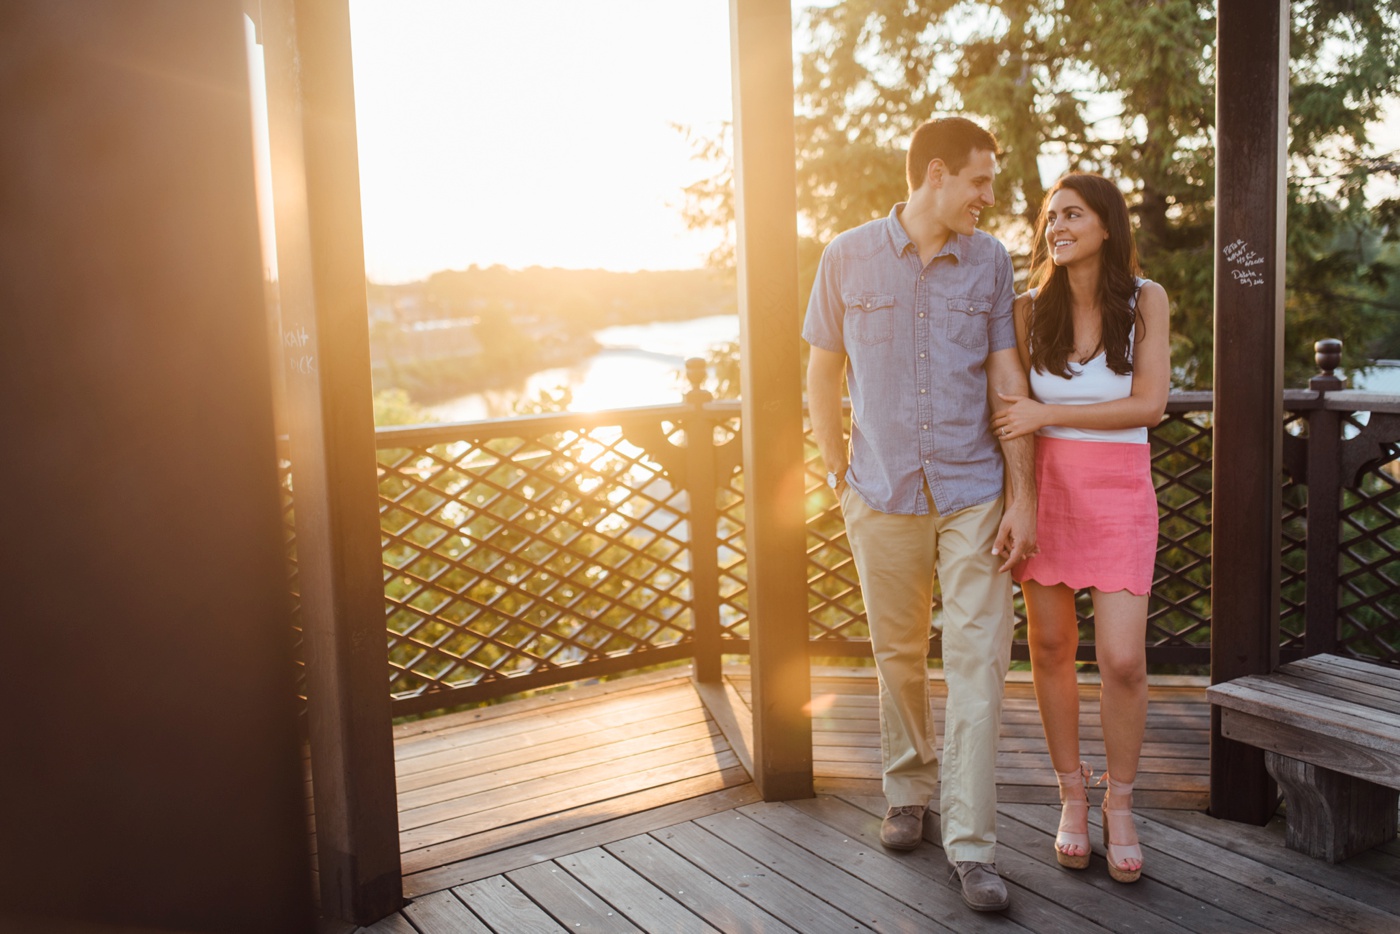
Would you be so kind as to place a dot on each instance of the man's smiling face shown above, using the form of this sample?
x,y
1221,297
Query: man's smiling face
x,y
960,200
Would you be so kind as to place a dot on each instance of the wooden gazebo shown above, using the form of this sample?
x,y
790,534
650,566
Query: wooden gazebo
x,y
137,349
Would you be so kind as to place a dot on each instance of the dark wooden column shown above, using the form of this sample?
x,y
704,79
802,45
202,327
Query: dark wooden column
x,y
1250,183
770,369
325,347
150,776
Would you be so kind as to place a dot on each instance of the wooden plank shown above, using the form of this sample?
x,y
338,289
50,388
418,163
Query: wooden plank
x,y
438,822
1299,892
558,833
842,886
706,897
584,758
735,719
860,854
1036,873
637,899
1370,672
1191,867
1362,878
1271,701
505,908
392,924
567,696
1308,746
583,715
443,913
1327,703
569,901
1341,688
1029,830
757,881
547,743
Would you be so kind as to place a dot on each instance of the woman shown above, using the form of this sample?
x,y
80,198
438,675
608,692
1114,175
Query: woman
x,y
1093,335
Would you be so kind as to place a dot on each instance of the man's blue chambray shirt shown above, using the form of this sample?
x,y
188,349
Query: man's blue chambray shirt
x,y
917,340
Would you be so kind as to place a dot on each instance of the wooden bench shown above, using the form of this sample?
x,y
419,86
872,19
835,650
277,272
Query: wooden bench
x,y
1330,730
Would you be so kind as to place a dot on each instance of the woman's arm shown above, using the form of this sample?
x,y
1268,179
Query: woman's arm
x,y
1142,408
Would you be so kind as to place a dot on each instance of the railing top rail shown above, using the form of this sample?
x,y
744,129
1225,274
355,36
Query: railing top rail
x,y
1295,400
524,425
1352,400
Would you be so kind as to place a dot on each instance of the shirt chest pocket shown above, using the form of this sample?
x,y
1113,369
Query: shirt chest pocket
x,y
870,318
966,322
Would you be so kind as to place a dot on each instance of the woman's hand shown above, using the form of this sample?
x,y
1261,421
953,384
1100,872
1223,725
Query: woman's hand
x,y
1022,416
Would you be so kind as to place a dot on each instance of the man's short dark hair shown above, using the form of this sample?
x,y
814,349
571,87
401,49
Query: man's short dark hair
x,y
952,139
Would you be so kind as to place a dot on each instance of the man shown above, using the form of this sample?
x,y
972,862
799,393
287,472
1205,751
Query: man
x,y
914,310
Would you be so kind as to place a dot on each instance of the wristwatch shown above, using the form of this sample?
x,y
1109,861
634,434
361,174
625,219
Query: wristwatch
x,y
832,480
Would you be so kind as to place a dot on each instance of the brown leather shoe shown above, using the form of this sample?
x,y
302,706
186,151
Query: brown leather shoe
x,y
982,888
903,828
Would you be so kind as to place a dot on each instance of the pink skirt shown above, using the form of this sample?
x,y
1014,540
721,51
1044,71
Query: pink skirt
x,y
1097,520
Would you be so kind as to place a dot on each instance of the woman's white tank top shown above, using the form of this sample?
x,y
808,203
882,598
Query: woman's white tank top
x,y
1089,382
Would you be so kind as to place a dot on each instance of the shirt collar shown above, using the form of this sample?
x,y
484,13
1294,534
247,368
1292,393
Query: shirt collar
x,y
899,237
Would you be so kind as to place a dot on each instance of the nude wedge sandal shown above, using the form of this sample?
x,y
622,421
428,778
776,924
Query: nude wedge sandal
x,y
1120,839
1074,817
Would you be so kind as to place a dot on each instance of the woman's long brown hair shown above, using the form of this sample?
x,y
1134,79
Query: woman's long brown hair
x,y
1051,323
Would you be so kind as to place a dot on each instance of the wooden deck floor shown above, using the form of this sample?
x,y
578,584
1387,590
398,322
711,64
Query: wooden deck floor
x,y
625,807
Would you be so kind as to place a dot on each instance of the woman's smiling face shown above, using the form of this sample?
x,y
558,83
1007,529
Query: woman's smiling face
x,y
1073,232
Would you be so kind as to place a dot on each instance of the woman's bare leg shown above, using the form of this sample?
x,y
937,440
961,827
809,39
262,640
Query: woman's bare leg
x,y
1054,640
1120,637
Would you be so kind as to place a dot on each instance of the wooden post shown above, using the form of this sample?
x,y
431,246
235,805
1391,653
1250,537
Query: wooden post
x,y
1250,181
765,180
1324,506
151,776
325,338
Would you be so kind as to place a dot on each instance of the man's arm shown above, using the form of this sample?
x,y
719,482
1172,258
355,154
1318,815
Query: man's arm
x,y
826,371
1016,536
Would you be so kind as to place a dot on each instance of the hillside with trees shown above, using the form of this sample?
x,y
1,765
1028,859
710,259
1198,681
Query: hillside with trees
x,y
465,330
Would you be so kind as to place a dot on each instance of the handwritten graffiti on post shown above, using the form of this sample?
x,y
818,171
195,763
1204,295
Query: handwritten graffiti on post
x,y
1239,255
295,342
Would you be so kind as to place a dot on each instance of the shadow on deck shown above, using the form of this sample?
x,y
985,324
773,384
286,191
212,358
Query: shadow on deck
x,y
623,806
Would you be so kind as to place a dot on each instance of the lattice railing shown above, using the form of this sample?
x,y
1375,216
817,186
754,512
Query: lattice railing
x,y
517,549
543,549
1368,605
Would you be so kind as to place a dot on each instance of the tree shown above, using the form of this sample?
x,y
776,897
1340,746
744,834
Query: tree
x,y
1121,87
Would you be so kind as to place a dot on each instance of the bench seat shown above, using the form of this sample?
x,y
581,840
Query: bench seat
x,y
1330,730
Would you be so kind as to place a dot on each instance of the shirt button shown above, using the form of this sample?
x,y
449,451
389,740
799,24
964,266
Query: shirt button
x,y
928,460
924,427
922,355
922,391
921,314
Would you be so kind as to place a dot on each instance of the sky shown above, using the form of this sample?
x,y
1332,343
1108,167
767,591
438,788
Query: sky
x,y
539,132
535,132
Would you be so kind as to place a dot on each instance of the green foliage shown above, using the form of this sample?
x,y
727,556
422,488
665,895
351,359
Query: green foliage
x,y
1120,87
394,407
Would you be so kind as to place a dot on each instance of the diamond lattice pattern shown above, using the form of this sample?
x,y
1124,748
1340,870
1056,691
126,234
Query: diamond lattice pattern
x,y
516,555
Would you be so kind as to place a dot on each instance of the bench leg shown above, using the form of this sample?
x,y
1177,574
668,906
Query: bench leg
x,y
1332,816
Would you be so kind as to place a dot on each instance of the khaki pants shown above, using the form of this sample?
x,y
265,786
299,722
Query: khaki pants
x,y
897,558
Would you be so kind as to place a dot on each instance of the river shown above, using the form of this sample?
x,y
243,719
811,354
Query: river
x,y
639,364
642,364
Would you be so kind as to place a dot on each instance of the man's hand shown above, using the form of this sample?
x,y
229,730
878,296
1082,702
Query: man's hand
x,y
1015,535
